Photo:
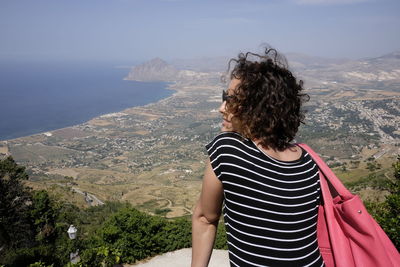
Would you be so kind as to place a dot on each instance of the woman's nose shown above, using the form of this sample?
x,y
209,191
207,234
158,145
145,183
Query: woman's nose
x,y
222,108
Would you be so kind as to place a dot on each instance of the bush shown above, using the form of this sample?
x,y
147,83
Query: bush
x,y
138,235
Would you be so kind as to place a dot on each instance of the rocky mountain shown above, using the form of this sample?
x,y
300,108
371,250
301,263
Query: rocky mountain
x,y
159,70
153,70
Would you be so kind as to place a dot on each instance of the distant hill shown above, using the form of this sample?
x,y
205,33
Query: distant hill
x,y
153,70
393,55
220,64
159,70
300,61
378,72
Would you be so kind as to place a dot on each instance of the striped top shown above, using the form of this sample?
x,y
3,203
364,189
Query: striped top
x,y
270,206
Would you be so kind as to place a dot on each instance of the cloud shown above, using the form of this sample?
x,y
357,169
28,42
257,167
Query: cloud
x,y
328,2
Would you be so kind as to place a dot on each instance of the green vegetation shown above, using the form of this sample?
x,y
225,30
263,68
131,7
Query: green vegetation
x,y
372,166
388,213
33,225
33,228
162,212
15,228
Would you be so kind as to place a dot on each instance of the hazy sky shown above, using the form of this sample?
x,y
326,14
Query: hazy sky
x,y
136,30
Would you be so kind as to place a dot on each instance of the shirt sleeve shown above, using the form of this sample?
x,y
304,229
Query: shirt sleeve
x,y
214,151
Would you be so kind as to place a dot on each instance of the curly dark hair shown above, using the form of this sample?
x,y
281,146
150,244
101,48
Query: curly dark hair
x,y
267,103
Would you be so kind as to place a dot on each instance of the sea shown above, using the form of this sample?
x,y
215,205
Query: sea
x,y
38,97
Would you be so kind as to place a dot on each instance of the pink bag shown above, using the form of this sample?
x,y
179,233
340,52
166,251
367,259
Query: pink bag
x,y
347,234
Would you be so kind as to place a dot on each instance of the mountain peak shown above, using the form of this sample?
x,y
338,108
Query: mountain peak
x,y
153,70
156,61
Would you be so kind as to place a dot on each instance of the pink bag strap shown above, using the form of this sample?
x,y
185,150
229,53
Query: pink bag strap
x,y
328,173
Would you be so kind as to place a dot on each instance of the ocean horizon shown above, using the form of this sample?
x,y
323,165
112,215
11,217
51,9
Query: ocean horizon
x,y
37,97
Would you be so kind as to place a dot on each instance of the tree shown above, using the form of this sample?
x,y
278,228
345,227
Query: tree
x,y
371,166
15,203
388,212
344,168
391,217
27,220
43,216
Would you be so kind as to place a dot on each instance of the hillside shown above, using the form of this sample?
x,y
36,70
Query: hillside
x,y
153,70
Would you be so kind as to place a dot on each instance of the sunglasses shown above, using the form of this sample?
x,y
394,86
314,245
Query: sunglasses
x,y
225,96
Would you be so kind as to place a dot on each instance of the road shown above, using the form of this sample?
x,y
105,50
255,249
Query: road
x,y
91,199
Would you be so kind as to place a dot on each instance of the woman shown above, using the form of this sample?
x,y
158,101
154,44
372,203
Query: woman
x,y
268,186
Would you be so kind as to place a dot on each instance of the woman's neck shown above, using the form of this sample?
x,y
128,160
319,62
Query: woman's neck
x,y
291,153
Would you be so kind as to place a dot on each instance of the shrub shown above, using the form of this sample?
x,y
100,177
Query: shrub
x,y
137,235
388,213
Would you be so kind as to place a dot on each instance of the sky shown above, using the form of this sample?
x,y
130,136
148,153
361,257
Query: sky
x,y
138,30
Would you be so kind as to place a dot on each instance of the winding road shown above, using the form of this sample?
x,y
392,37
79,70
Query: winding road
x,y
91,199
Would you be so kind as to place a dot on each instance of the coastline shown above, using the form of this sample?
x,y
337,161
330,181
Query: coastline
x,y
168,87
141,153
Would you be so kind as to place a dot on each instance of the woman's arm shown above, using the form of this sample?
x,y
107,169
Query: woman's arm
x,y
205,218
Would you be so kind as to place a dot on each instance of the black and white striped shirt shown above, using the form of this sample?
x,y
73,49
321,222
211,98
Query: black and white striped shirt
x,y
270,206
